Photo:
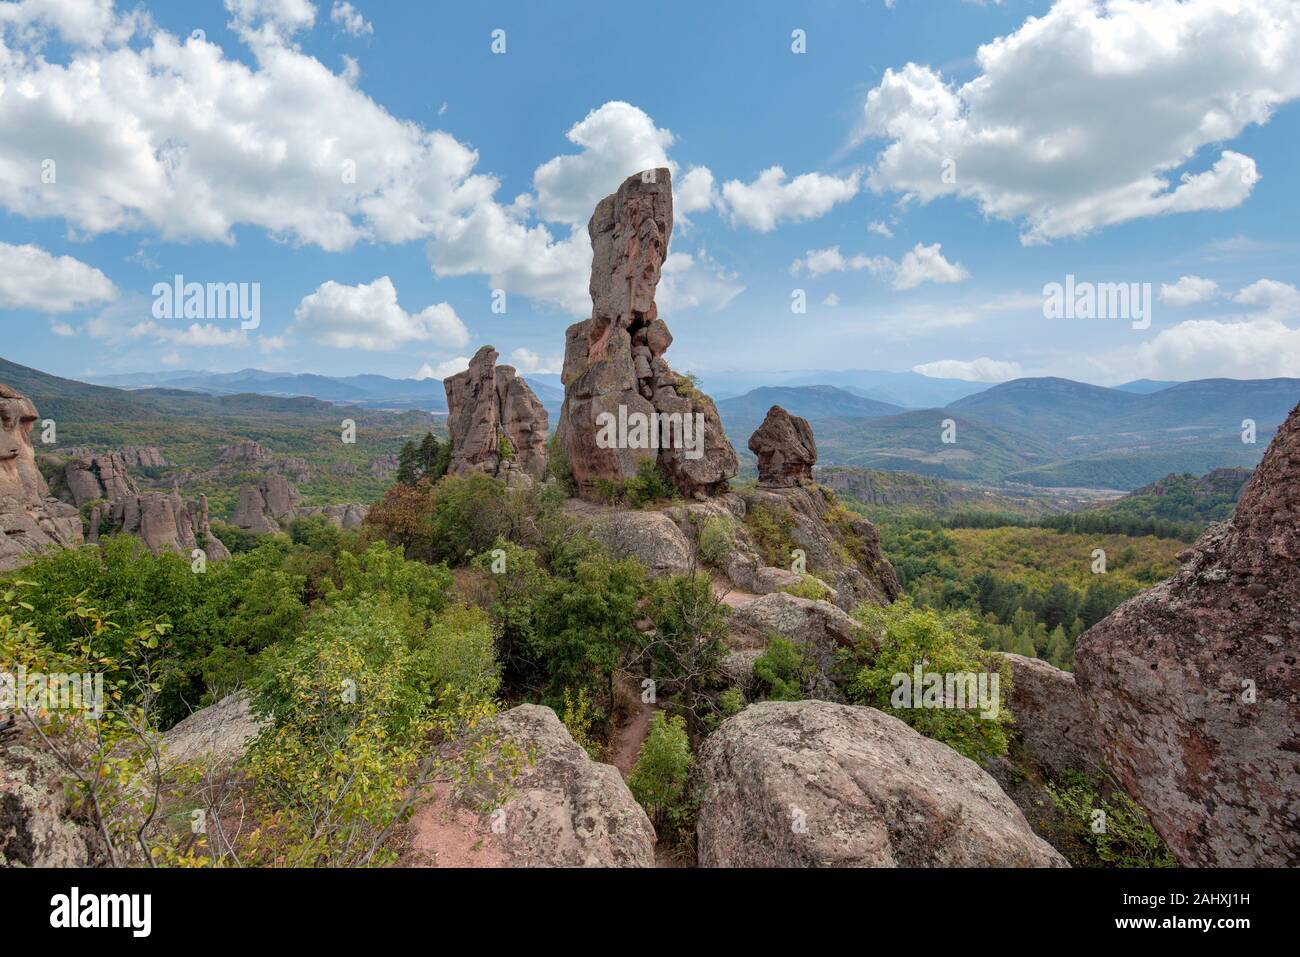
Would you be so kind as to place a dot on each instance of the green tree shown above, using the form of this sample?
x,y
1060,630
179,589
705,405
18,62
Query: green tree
x,y
659,779
784,670
408,464
585,625
943,644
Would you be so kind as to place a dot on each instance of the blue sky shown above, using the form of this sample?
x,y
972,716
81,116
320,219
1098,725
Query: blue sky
x,y
920,171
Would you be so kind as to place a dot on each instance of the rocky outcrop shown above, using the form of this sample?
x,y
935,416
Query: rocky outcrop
x,y
134,456
785,449
1053,732
164,522
384,467
37,825
273,504
217,735
1194,685
818,627
566,810
98,477
346,517
267,506
816,784
841,548
615,373
31,520
497,425
246,452
650,536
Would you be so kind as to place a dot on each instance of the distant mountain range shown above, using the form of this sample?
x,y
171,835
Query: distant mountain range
x,y
909,390
365,391
1046,432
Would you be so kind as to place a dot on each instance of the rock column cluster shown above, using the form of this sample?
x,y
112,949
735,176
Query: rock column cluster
x,y
497,425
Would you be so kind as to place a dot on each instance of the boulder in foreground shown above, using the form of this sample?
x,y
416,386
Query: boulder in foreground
x,y
817,784
1194,685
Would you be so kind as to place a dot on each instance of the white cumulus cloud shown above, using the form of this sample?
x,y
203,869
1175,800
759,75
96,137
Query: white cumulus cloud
x,y
771,199
442,370
349,19
368,317
982,369
919,264
1188,291
617,140
31,278
1155,82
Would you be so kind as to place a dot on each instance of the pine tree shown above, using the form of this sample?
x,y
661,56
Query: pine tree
x,y
408,470
428,454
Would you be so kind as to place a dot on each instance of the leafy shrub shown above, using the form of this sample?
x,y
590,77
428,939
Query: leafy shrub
x,y
944,645
731,701
504,448
237,540
717,542
784,670
585,627
557,464
1122,836
358,704
811,587
315,533
688,644
469,514
772,530
578,717
659,778
647,487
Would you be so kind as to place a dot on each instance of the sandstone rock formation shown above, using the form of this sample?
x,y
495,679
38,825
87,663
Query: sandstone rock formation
x,y
218,735
1052,735
31,520
1194,685
841,548
37,825
95,477
1053,732
134,456
650,536
818,627
245,452
567,810
273,504
164,522
816,784
785,449
614,362
497,425
266,506
347,516
384,467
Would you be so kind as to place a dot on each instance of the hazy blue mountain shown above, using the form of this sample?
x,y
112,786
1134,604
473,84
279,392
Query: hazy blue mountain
x,y
809,401
366,391
1048,432
909,390
1049,408
1146,386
